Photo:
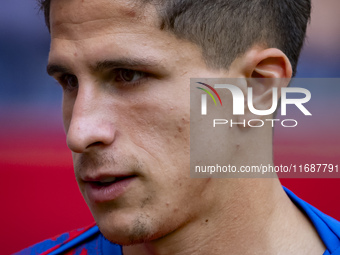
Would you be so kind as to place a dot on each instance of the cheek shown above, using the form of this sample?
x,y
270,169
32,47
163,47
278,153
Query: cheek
x,y
159,129
159,134
161,123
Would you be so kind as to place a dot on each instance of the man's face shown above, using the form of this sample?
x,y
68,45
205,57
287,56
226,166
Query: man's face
x,y
126,115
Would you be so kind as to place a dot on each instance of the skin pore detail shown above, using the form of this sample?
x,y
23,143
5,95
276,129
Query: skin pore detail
x,y
126,114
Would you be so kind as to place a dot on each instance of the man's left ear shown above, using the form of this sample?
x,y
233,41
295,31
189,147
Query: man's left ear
x,y
265,69
270,63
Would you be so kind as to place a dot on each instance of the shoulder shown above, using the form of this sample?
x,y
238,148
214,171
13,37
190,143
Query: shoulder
x,y
86,240
327,227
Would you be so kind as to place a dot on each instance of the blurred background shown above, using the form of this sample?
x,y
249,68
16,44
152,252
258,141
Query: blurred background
x,y
38,191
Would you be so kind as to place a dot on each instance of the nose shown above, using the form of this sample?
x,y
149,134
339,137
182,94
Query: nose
x,y
89,122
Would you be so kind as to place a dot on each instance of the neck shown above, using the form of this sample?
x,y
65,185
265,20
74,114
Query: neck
x,y
253,216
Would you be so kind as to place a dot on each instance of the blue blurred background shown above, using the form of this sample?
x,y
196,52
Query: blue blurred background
x,y
38,191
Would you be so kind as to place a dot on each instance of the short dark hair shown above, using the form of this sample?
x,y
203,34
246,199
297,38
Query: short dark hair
x,y
226,29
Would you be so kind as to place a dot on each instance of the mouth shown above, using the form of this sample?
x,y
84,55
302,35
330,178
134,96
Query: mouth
x,y
105,182
109,188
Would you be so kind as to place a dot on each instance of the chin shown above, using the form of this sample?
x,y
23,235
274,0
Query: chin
x,y
128,230
128,236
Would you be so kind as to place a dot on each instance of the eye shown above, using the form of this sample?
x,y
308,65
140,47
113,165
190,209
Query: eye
x,y
127,75
69,82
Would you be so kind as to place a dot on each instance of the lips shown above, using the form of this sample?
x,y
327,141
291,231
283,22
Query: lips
x,y
107,181
107,188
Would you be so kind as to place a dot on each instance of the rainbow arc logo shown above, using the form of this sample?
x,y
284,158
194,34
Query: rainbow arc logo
x,y
212,89
204,97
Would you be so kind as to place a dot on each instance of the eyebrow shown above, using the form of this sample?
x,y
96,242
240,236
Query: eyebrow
x,y
123,63
55,68
105,65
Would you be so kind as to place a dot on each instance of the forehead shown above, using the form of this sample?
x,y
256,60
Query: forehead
x,y
85,32
74,18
